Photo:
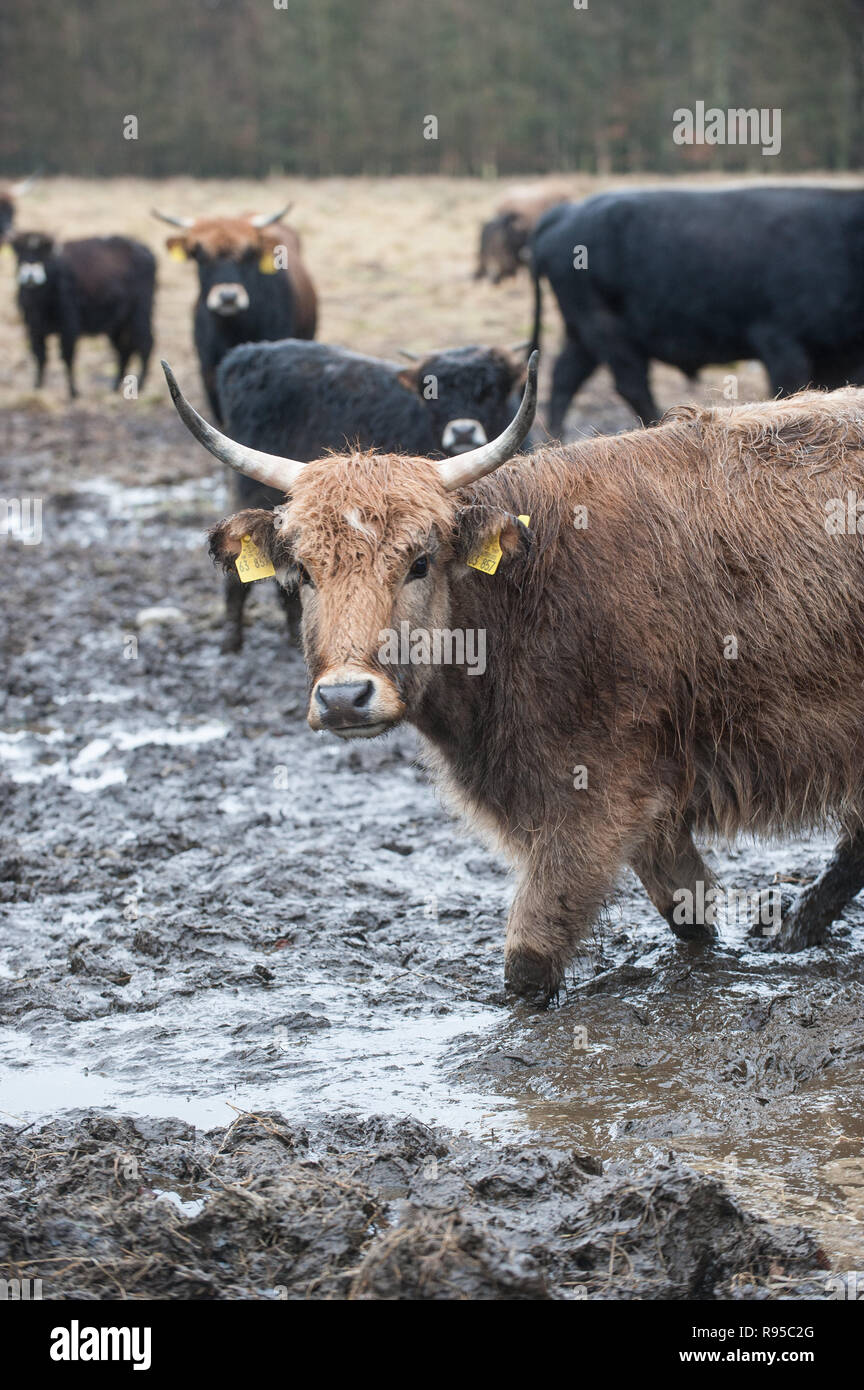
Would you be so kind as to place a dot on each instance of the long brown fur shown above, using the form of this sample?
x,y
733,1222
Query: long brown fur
x,y
612,646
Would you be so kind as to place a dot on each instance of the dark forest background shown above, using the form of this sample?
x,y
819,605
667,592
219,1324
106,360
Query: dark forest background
x,y
239,87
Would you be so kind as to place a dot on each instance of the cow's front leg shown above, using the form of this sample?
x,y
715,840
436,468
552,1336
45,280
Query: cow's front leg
x,y
556,904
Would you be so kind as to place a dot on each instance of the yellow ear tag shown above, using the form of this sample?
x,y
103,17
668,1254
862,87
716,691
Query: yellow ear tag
x,y
488,557
267,264
252,563
177,253
5,249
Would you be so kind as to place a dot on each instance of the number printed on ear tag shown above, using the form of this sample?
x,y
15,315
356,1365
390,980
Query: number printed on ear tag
x,y
488,557
252,563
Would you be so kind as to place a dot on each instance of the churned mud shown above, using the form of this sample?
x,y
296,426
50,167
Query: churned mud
x,y
253,1035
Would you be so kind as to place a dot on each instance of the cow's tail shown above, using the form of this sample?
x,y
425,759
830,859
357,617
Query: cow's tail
x,y
536,327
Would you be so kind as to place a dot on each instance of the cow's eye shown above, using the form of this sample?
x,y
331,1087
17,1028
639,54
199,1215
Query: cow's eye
x,y
419,568
304,576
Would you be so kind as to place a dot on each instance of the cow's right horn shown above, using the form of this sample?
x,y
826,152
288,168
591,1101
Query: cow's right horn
x,y
269,469
476,463
265,219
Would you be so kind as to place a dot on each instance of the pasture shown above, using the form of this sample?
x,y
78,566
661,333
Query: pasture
x,y
251,980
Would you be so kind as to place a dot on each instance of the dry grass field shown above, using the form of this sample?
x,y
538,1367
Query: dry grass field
x,y
393,260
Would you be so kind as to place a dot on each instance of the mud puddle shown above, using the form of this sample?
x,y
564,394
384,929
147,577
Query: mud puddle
x,y
208,911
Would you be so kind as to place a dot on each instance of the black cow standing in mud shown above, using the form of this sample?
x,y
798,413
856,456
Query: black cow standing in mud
x,y
304,399
83,289
253,285
693,278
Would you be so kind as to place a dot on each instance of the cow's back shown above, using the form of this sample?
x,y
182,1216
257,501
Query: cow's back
x,y
689,273
301,400
110,278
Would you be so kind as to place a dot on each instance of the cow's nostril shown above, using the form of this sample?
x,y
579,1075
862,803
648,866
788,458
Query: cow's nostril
x,y
344,701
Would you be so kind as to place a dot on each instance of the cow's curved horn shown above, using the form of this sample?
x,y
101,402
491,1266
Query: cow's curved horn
x,y
19,189
263,219
476,463
409,356
184,222
269,469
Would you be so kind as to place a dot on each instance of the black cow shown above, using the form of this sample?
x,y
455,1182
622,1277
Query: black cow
x,y
253,285
300,400
85,288
693,278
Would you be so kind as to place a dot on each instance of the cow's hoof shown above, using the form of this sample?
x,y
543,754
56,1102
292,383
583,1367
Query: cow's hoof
x,y
769,911
536,979
699,933
232,642
803,926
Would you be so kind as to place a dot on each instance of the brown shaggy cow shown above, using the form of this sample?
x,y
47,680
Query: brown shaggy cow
x,y
504,238
675,643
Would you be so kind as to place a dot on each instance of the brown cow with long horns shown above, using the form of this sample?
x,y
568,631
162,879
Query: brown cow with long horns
x,y
675,643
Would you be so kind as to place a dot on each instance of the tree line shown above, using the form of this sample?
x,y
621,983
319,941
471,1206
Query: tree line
x,y
318,87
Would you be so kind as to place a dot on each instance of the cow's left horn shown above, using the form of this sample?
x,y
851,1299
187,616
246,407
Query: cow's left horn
x,y
269,469
184,222
476,463
24,186
263,219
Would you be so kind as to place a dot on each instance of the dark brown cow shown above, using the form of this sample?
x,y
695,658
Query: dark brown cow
x,y
504,238
675,643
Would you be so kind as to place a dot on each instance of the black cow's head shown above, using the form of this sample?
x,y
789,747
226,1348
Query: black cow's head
x,y
233,255
466,392
34,252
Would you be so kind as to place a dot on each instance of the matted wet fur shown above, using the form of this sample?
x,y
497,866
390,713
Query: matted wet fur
x,y
676,645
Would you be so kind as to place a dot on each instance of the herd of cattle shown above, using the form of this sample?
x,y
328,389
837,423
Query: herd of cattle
x,y
367,495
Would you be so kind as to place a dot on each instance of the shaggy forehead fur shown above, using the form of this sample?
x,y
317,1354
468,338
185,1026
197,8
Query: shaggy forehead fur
x,y
352,512
232,237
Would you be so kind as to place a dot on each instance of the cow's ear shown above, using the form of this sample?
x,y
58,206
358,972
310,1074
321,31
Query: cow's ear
x,y
178,249
486,540
227,537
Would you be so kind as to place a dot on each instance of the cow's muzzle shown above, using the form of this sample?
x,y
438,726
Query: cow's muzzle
x,y
227,299
352,704
461,435
31,273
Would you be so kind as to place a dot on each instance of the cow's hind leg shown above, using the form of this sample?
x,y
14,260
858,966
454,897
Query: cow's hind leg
x,y
677,881
787,363
235,602
823,901
630,370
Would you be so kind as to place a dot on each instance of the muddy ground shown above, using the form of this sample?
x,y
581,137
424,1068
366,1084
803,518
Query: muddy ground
x,y
253,1035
